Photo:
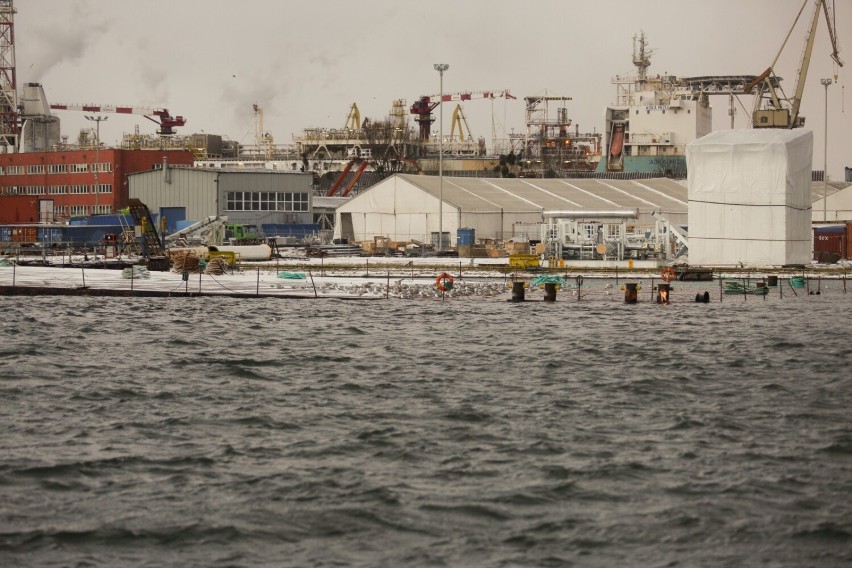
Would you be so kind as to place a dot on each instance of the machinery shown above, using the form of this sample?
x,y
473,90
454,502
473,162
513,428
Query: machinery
x,y
424,106
609,235
164,119
772,108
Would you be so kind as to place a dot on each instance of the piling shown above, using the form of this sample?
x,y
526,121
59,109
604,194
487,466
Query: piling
x,y
663,293
631,293
517,291
549,292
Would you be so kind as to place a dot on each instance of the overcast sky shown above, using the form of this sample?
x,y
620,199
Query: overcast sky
x,y
305,63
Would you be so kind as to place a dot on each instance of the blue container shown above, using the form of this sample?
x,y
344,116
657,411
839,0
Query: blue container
x,y
465,237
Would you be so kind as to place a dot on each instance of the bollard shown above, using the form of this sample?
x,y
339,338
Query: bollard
x,y
631,293
663,293
549,292
517,291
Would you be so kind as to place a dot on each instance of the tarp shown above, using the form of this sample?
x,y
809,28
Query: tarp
x,y
750,197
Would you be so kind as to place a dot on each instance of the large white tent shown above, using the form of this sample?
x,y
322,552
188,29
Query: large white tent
x,y
406,207
750,197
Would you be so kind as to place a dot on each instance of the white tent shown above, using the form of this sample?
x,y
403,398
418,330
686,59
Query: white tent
x,y
405,207
750,197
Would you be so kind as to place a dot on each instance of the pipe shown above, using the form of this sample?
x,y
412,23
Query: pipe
x,y
591,213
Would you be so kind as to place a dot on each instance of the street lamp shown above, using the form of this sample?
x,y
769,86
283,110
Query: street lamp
x,y
440,68
825,83
97,119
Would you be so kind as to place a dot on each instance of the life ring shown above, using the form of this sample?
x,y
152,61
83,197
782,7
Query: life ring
x,y
444,282
668,274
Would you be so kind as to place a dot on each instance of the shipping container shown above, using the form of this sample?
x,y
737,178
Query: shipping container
x,y
832,243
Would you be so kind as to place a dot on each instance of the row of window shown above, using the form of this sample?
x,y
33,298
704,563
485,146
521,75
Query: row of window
x,y
57,189
266,201
36,169
81,210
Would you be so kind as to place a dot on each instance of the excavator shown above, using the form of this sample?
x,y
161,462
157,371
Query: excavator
x,y
772,108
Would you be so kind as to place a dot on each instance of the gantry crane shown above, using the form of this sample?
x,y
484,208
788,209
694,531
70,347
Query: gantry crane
x,y
778,110
166,121
424,106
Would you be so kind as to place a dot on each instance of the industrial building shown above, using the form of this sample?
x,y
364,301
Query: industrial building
x,y
416,208
248,197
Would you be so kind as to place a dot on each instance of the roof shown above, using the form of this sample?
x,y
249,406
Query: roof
x,y
534,194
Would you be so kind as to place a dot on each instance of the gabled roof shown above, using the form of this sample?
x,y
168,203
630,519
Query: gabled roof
x,y
534,194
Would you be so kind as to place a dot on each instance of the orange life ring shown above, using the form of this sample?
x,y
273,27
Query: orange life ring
x,y
444,282
668,274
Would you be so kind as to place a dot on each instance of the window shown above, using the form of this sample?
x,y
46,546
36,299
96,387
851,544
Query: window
x,y
14,170
102,209
78,168
78,189
102,167
102,188
56,169
266,201
35,190
57,189
35,169
79,210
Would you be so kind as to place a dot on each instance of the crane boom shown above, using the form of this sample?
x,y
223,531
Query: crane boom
x,y
778,115
164,119
424,106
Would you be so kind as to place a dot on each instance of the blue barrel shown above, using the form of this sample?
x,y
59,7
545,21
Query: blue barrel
x,y
465,237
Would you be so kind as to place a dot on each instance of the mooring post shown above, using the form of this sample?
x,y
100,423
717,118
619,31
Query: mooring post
x,y
368,268
14,268
257,291
83,270
549,292
579,285
631,293
132,274
387,288
518,291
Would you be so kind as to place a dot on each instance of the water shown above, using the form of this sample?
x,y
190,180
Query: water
x,y
221,432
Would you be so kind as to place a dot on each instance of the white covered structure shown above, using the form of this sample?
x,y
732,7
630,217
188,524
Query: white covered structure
x,y
750,197
405,207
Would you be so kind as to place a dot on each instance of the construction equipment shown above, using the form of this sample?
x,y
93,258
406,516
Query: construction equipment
x,y
459,120
164,119
152,245
424,106
772,108
353,121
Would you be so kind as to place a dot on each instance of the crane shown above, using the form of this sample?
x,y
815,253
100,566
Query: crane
x,y
166,121
424,106
781,111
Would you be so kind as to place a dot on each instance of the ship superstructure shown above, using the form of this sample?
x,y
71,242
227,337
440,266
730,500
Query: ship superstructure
x,y
652,121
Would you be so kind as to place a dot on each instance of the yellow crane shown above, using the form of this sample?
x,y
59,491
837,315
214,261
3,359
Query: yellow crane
x,y
772,108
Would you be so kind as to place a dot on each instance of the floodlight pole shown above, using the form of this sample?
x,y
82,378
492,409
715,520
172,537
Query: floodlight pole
x,y
97,119
440,68
825,83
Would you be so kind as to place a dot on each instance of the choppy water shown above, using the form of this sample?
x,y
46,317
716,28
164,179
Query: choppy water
x,y
205,432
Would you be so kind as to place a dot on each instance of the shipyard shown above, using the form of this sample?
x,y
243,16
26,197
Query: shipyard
x,y
447,284
614,195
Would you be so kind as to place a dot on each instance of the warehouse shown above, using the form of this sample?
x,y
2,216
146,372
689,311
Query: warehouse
x,y
415,208
249,197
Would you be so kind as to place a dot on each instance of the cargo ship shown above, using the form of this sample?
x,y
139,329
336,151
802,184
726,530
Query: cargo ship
x,y
653,119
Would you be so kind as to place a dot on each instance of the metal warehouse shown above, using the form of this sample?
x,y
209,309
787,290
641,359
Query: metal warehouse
x,y
254,197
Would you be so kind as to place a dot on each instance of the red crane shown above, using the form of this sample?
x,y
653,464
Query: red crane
x,y
424,106
166,121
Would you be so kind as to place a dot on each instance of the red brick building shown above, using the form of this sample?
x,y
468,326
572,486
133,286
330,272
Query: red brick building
x,y
45,187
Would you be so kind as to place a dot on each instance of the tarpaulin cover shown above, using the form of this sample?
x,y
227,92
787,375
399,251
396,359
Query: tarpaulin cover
x,y
750,197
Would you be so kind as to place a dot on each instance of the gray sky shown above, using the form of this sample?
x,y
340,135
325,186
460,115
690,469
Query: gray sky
x,y
305,63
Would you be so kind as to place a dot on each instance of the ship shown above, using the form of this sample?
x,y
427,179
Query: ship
x,y
653,119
